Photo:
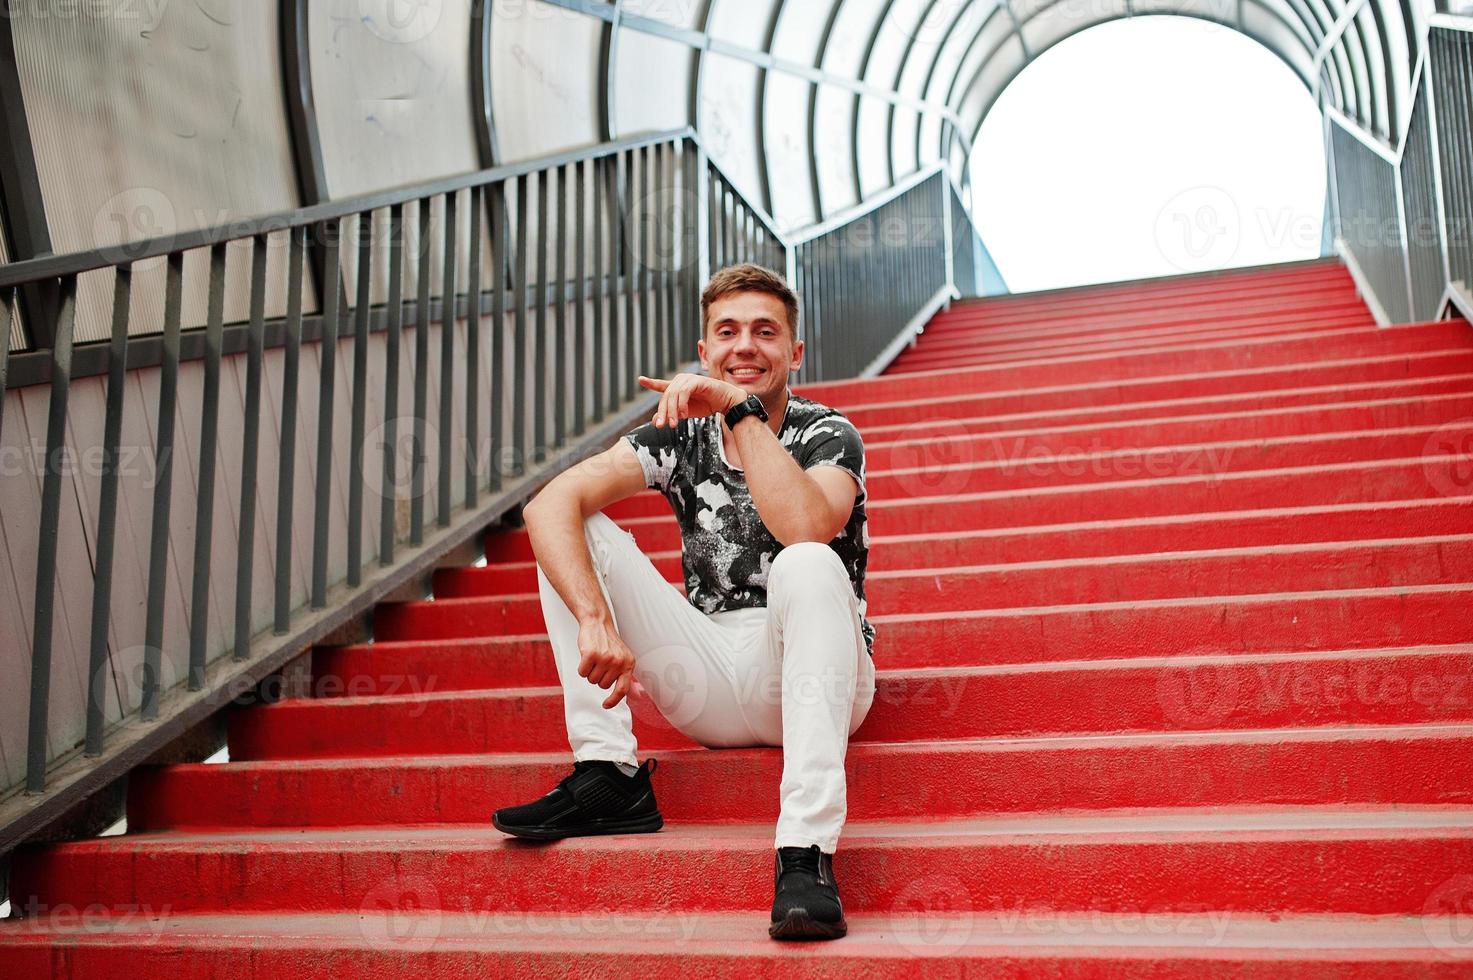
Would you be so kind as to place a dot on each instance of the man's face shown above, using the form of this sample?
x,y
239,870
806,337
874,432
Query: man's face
x,y
748,344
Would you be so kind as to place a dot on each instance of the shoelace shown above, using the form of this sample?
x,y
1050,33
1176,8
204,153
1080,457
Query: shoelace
x,y
800,859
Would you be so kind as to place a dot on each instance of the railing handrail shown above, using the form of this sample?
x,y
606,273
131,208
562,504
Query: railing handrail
x,y
64,264
839,219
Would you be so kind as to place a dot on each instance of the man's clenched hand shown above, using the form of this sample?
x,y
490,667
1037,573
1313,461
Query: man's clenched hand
x,y
605,660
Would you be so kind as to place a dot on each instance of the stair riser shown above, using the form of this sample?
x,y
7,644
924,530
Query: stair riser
x,y
1146,297
1371,876
1419,518
1273,305
1136,365
1375,482
885,782
946,468
939,351
1264,390
935,590
886,425
1247,625
1248,693
426,955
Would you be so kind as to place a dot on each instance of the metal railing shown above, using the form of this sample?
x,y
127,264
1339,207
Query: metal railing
x,y
475,335
1404,211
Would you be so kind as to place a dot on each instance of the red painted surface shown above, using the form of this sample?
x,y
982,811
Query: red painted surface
x,y
1172,584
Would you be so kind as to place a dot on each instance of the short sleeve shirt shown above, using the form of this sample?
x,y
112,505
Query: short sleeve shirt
x,y
727,550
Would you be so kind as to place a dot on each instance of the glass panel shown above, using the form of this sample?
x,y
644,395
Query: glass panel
x,y
787,149
545,88
392,86
121,157
835,138
742,22
728,107
652,84
852,30
801,29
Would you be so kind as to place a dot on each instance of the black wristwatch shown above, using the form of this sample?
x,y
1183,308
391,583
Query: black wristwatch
x,y
752,406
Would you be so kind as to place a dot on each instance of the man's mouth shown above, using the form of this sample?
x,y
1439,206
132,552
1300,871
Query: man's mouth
x,y
746,373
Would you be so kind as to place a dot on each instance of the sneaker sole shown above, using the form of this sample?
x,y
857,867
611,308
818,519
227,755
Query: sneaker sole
x,y
798,924
632,825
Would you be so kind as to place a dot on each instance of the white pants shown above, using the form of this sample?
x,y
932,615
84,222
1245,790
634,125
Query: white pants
x,y
794,674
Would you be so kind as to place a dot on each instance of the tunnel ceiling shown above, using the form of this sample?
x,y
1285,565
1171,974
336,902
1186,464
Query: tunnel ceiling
x,y
815,105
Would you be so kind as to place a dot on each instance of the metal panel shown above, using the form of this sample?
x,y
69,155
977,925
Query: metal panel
x,y
392,90
1423,233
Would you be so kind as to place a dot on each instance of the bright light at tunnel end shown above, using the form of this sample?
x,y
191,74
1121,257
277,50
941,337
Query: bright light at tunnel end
x,y
1153,146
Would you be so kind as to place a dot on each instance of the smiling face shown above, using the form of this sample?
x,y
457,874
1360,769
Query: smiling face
x,y
749,343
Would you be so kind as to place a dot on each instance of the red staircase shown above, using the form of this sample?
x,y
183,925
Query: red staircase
x,y
1172,583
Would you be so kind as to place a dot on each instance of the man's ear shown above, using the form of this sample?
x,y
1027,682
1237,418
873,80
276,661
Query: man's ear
x,y
797,356
701,351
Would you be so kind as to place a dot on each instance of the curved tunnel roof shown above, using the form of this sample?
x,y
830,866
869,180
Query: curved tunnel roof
x,y
817,104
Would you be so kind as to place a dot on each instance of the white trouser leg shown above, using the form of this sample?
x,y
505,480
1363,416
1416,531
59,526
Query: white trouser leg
x,y
683,660
813,638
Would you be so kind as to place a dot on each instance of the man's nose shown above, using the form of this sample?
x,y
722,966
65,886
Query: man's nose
x,y
746,340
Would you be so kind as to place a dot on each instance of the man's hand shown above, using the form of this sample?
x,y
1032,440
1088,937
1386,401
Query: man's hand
x,y
692,396
605,660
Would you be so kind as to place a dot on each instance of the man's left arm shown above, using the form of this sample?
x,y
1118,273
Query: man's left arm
x,y
795,504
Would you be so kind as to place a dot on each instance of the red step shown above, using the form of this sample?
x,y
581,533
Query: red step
x,y
1361,764
1443,515
932,930
1365,862
1146,694
1222,572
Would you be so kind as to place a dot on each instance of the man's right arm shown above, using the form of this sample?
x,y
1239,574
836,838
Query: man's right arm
x,y
554,520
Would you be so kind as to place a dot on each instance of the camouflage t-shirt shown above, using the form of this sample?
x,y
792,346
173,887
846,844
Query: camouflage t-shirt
x,y
727,549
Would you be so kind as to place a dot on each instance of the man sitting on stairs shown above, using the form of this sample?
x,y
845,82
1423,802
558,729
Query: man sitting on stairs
x,y
770,644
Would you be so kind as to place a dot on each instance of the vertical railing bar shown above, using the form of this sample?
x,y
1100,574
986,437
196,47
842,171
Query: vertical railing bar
x,y
251,441
713,249
331,232
204,501
654,248
286,466
158,559
580,313
394,330
519,335
665,239
630,262
48,538
600,373
644,256
107,510
560,358
539,348
7,319
420,456
498,327
359,425
445,395
612,169
473,326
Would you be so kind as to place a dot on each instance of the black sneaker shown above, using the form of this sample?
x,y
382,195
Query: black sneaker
x,y
595,798
805,903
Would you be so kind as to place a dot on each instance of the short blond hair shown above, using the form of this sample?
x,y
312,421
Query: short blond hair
x,y
749,277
